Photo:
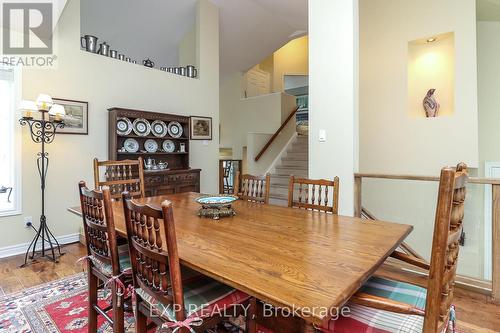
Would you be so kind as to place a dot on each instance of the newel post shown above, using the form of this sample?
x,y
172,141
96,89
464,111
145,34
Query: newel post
x,y
496,242
357,195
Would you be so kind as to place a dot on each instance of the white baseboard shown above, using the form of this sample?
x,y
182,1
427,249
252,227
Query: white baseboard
x,y
13,250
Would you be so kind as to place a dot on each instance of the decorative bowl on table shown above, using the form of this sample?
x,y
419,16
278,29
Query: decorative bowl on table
x,y
216,206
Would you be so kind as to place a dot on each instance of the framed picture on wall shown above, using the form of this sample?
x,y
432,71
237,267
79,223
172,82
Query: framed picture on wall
x,y
76,120
201,128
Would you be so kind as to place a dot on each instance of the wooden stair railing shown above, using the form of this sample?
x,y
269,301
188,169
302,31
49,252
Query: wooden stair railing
x,y
271,140
490,288
366,214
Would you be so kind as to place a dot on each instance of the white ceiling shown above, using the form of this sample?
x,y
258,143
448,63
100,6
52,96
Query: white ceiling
x,y
140,29
250,30
488,10
253,29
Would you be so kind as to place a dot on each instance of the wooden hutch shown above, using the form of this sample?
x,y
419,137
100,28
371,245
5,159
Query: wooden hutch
x,y
178,177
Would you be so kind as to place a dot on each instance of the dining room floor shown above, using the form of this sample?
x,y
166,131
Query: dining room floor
x,y
475,313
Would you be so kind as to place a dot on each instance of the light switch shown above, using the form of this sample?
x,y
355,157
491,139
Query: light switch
x,y
322,135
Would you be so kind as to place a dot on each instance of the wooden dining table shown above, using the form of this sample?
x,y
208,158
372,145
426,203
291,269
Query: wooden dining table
x,y
302,260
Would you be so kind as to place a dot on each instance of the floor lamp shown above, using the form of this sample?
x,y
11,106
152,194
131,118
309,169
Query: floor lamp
x,y
43,118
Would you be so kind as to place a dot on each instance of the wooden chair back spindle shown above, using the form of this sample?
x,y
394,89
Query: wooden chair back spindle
x,y
150,230
121,176
445,247
99,226
322,194
253,188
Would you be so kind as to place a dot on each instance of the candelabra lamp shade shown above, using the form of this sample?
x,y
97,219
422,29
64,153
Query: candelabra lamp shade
x,y
44,102
28,108
57,112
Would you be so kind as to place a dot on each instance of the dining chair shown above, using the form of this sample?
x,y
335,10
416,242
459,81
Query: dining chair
x,y
120,176
407,305
161,293
321,194
253,188
106,261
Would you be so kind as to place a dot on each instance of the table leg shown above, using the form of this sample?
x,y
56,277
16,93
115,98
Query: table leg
x,y
307,327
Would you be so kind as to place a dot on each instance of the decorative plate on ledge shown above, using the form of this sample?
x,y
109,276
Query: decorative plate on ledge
x,y
159,128
175,129
123,126
151,146
142,127
131,145
168,146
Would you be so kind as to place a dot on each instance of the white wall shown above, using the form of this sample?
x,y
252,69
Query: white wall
x,y
488,50
333,93
390,140
239,116
395,140
105,83
187,49
153,29
291,59
256,141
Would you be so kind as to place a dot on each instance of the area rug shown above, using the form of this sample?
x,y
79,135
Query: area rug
x,y
56,307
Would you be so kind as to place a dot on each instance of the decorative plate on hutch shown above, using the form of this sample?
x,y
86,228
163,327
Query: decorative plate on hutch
x,y
168,146
159,128
131,145
142,127
151,146
123,126
175,129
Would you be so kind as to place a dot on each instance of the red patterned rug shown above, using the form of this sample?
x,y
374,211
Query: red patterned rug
x,y
56,307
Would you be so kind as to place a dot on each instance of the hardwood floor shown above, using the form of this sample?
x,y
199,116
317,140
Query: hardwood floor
x,y
476,314
13,278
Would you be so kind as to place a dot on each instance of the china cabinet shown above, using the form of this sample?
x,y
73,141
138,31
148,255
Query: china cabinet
x,y
177,177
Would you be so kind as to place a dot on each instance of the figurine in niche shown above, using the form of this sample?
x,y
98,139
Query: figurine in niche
x,y
431,105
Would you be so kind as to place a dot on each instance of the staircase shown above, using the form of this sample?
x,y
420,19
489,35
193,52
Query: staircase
x,y
294,162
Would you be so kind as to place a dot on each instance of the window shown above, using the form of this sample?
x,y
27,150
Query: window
x,y
10,154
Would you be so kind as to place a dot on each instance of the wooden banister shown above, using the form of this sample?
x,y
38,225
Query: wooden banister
x,y
472,180
271,140
490,288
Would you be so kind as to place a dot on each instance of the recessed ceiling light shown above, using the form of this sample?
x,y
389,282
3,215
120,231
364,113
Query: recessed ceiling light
x,y
431,40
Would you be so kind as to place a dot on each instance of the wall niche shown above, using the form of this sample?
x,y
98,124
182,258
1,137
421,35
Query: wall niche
x,y
431,65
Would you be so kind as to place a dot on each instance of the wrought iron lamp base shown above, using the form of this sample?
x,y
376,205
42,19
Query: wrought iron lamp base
x,y
42,131
49,249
